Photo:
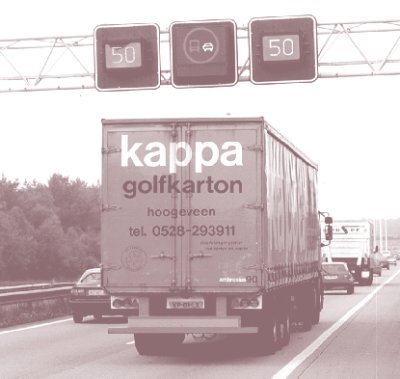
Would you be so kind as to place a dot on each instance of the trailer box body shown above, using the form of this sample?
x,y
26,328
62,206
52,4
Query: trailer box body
x,y
197,212
353,243
186,215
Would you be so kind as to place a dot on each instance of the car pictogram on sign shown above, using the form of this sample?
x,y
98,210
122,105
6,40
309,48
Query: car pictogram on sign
x,y
208,46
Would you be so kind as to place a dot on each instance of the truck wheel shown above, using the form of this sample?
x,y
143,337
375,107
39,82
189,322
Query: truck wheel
x,y
285,337
77,317
146,344
316,304
307,324
284,319
158,344
350,290
266,341
310,307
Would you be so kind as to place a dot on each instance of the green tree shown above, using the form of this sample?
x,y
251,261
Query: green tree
x,y
50,246
77,204
8,193
18,245
48,231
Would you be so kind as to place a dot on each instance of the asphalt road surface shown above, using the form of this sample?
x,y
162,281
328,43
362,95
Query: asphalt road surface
x,y
358,337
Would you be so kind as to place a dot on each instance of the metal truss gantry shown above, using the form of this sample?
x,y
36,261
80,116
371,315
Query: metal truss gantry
x,y
366,48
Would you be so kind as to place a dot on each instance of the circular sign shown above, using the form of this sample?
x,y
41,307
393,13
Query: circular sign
x,y
133,258
201,45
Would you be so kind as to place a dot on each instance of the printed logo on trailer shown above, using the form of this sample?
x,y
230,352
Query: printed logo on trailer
x,y
157,154
133,258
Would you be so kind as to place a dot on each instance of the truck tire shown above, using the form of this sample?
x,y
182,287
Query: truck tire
x,y
286,327
267,339
310,306
316,303
158,344
77,317
284,319
350,290
269,336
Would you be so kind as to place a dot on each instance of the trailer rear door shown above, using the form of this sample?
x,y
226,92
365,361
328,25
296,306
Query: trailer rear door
x,y
223,248
182,206
140,250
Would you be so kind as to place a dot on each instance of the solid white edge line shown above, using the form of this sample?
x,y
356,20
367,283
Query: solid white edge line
x,y
34,326
300,358
296,361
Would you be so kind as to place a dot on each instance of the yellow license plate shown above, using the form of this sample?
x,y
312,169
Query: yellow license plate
x,y
191,303
96,292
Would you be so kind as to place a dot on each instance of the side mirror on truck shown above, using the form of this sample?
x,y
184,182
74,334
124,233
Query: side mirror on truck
x,y
328,229
328,232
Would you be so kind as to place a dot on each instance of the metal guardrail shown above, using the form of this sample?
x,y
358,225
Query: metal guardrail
x,y
22,296
27,287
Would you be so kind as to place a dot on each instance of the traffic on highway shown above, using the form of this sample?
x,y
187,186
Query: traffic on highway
x,y
360,330
206,243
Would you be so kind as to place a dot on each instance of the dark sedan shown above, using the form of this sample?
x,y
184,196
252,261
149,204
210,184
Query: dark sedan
x,y
384,261
336,276
89,298
387,255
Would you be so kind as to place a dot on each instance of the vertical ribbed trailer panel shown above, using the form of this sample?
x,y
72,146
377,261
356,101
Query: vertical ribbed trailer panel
x,y
291,225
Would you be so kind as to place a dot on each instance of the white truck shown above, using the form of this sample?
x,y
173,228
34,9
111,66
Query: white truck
x,y
209,226
353,243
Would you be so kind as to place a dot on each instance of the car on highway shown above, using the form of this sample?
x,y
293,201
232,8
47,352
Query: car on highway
x,y
337,276
89,298
387,255
384,261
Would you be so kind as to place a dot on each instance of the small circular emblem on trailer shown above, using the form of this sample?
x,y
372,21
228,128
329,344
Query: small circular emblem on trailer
x,y
133,258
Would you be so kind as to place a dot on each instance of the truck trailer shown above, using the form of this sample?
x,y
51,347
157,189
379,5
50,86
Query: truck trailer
x,y
209,225
353,243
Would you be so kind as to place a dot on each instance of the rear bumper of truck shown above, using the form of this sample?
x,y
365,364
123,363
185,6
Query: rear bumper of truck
x,y
155,325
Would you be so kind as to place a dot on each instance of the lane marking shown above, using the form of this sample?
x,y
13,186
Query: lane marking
x,y
131,342
300,358
34,326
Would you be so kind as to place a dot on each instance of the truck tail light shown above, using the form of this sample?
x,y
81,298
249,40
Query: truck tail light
x,y
124,302
247,302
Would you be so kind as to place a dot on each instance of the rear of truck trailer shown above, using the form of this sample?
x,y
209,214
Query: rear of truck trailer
x,y
208,226
353,244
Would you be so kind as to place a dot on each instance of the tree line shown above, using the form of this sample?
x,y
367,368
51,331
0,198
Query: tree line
x,y
48,231
52,231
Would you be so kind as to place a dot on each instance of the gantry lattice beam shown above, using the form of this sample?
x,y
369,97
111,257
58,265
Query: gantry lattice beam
x,y
345,49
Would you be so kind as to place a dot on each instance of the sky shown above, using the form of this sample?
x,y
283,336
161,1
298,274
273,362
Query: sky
x,y
349,126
